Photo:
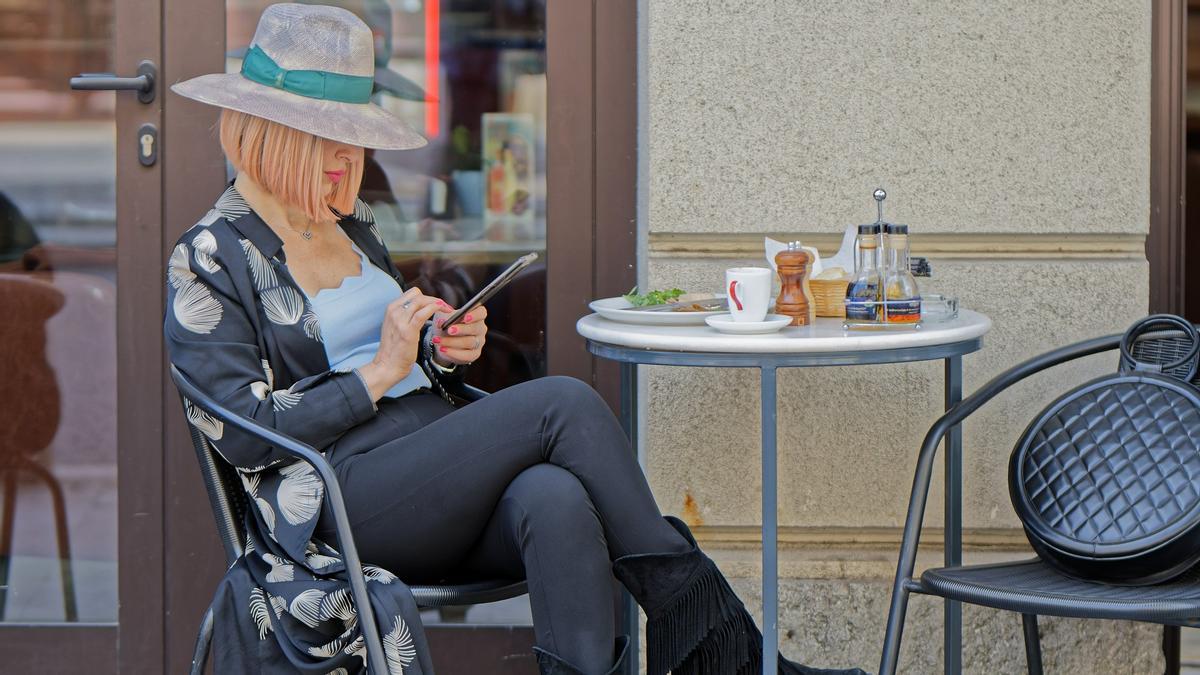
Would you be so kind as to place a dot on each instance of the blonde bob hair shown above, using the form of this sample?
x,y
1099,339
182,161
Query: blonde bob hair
x,y
287,163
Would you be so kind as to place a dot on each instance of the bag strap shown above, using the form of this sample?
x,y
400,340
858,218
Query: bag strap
x,y
1160,322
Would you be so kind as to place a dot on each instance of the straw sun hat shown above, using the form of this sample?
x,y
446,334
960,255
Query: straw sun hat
x,y
312,68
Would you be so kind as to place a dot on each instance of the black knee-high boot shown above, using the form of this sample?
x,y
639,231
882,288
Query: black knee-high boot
x,y
552,664
695,623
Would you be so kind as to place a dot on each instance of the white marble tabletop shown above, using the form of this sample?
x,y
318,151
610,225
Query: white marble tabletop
x,y
826,335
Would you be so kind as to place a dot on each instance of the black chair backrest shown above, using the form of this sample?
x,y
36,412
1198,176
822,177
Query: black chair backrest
x,y
225,493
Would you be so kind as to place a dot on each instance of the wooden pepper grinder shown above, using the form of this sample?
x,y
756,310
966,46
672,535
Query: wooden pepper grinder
x,y
795,297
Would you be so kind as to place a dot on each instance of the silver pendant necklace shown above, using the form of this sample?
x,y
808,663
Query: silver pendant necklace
x,y
307,234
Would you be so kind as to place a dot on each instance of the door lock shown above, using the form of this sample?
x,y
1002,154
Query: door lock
x,y
147,140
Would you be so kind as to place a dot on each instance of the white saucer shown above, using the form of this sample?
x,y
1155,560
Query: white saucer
x,y
726,324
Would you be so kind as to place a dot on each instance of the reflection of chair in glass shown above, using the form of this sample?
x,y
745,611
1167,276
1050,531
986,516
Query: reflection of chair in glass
x,y
30,401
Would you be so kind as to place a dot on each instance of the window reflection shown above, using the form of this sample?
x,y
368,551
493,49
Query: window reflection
x,y
471,75
58,476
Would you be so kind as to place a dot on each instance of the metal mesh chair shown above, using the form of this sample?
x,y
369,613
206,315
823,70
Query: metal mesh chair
x,y
228,500
1032,587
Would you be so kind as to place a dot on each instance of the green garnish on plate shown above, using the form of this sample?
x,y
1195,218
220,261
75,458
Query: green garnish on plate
x,y
651,298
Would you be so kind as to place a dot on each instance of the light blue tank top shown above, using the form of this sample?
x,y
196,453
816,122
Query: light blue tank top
x,y
351,316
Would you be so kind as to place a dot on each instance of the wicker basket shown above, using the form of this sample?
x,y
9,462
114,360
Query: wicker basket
x,y
829,295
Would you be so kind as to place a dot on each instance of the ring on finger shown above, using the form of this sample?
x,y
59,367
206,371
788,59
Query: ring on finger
x,y
406,304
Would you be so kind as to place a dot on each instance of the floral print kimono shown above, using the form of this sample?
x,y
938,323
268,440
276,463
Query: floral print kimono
x,y
239,326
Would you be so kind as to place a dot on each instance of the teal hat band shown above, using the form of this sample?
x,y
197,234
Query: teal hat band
x,y
259,67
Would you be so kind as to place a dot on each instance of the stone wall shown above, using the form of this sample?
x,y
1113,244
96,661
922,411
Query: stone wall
x,y
1013,138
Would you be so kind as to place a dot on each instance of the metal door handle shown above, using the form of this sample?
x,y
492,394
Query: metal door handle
x,y
143,83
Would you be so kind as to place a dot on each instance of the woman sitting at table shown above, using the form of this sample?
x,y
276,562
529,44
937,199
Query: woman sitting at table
x,y
283,304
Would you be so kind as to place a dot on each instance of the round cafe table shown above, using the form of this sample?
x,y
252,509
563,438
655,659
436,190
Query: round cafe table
x,y
825,343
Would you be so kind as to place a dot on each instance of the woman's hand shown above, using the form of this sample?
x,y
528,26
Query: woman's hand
x,y
399,340
461,343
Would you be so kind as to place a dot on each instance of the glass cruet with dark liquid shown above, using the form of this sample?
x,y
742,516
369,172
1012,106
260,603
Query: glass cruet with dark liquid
x,y
863,291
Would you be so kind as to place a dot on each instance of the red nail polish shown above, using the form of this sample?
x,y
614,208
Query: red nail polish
x,y
454,330
468,318
442,348
437,340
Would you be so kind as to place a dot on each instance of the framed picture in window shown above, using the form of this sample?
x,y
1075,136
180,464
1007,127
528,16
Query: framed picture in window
x,y
509,169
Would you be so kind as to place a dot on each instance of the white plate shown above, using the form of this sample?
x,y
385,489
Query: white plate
x,y
619,309
726,324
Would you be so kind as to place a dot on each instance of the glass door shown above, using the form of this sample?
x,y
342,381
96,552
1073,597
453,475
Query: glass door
x,y
58,251
60,380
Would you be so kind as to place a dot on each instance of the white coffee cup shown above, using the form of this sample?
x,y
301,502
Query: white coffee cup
x,y
749,291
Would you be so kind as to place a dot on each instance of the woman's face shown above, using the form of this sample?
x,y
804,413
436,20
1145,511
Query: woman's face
x,y
335,165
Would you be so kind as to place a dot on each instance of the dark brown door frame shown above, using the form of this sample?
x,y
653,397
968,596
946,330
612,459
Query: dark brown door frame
x,y
194,173
140,272
1165,248
592,152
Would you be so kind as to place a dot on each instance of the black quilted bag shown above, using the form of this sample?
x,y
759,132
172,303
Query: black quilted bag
x,y
1106,480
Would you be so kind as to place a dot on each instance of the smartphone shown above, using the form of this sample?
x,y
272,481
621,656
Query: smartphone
x,y
491,289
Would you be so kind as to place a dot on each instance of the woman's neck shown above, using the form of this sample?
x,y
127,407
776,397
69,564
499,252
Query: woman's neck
x,y
284,219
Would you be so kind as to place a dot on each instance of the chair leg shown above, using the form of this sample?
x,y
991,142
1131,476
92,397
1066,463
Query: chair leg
x,y
1171,646
895,631
6,534
1033,644
64,542
203,642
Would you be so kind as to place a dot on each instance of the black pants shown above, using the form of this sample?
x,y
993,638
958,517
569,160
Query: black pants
x,y
537,481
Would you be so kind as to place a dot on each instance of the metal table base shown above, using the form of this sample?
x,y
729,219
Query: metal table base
x,y
768,365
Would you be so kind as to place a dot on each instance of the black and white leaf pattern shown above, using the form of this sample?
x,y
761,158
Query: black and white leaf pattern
x,y
283,305
179,270
281,569
337,605
378,574
316,559
306,607
260,268
398,646
363,212
286,399
268,514
269,373
258,610
358,648
208,425
231,204
196,309
312,326
251,481
206,247
300,493
329,649
260,467
209,218
279,605
260,390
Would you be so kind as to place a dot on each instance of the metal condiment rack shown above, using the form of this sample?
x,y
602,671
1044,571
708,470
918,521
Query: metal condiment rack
x,y
882,323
